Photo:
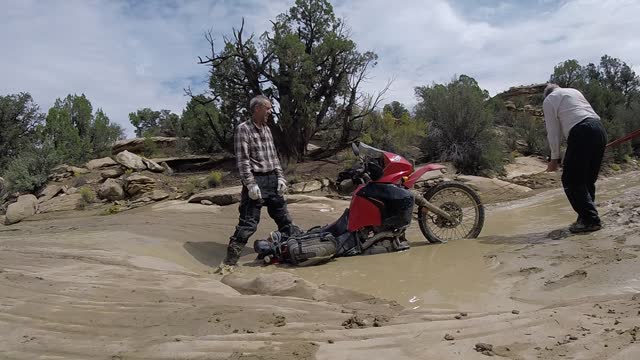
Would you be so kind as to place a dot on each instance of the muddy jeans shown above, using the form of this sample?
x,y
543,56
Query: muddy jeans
x,y
585,149
250,214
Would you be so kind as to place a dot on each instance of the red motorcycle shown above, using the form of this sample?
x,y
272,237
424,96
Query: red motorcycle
x,y
381,210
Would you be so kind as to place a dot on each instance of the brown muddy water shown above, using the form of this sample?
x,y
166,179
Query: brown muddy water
x,y
457,275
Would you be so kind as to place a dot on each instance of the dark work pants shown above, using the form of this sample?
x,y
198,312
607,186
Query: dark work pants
x,y
250,214
585,149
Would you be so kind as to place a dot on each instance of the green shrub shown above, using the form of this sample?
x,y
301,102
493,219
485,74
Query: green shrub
x,y
460,126
214,179
192,186
149,147
396,135
533,132
87,197
29,170
112,210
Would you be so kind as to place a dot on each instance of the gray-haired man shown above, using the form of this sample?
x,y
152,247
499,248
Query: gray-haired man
x,y
262,178
568,113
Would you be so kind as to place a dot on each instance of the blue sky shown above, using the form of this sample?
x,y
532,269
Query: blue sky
x,y
126,55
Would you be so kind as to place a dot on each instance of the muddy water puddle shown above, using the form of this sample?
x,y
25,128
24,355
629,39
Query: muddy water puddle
x,y
435,276
457,275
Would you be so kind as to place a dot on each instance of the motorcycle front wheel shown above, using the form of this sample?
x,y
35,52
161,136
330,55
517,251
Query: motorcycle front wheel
x,y
462,204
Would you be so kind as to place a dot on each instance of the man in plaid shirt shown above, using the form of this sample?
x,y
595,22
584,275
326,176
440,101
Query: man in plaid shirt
x,y
262,178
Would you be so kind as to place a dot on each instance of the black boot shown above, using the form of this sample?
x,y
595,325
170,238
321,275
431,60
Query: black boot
x,y
234,250
582,227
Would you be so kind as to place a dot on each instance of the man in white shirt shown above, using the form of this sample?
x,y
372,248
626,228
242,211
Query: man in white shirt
x,y
568,113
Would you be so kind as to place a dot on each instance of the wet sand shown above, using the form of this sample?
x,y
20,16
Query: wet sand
x,y
138,285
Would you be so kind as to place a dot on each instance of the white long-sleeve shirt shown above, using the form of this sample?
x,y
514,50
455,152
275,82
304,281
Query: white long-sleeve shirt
x,y
563,109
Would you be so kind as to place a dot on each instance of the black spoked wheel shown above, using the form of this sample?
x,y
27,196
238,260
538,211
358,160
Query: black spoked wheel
x,y
462,204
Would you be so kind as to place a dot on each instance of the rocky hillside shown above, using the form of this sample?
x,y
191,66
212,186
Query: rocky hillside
x,y
127,180
527,99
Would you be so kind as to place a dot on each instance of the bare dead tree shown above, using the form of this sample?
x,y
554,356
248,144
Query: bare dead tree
x,y
316,85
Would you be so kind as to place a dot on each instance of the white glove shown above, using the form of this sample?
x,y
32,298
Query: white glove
x,y
282,186
254,192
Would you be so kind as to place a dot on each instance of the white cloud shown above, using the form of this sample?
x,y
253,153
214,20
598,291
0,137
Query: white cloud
x,y
121,58
420,44
125,56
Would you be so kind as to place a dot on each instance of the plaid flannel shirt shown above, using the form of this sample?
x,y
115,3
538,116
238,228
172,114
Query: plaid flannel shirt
x,y
255,152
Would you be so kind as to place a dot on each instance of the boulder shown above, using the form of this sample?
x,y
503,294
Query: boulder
x,y
50,192
158,195
59,177
152,165
137,145
71,190
141,179
197,163
206,202
305,187
524,90
64,171
60,203
112,173
313,150
64,168
59,173
525,166
431,176
100,163
142,200
219,196
75,171
111,190
137,184
24,207
131,161
167,169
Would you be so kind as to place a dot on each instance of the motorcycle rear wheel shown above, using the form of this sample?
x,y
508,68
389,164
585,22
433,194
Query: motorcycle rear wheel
x,y
462,203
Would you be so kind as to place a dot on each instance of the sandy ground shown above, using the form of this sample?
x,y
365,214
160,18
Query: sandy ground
x,y
139,285
525,165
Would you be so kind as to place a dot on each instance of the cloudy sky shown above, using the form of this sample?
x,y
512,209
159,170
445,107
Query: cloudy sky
x,y
126,55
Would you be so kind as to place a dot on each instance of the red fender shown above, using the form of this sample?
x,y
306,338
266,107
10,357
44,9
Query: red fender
x,y
421,171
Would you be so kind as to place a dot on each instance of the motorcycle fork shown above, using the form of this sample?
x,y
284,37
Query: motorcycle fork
x,y
422,202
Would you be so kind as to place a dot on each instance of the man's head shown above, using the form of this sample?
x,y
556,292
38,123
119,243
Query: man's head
x,y
549,89
260,107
